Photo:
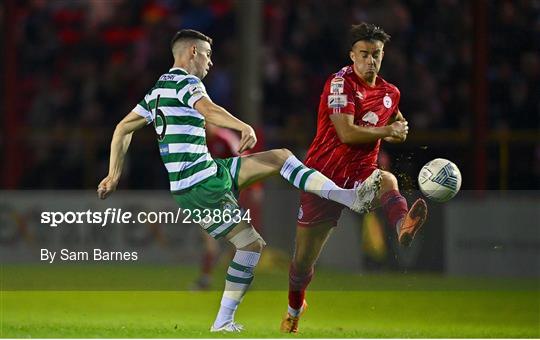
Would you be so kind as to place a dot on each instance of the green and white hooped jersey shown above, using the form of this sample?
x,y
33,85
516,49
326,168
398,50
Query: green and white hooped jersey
x,y
179,127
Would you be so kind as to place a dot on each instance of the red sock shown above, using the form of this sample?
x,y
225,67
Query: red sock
x,y
298,283
394,206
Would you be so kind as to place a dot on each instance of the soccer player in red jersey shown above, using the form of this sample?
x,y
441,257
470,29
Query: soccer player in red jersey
x,y
357,110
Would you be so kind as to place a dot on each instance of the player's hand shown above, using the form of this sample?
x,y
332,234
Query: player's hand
x,y
106,187
248,139
399,130
394,140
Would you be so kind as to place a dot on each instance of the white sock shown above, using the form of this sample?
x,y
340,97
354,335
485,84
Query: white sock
x,y
239,278
226,312
337,194
294,312
312,181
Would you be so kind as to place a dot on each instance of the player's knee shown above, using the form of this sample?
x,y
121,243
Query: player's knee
x,y
389,181
256,246
303,266
304,261
283,154
248,239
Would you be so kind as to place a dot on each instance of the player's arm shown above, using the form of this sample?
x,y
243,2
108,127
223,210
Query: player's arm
x,y
217,115
398,117
350,133
119,147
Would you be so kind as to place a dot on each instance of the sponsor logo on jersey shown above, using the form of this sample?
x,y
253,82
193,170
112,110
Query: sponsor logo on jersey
x,y
337,101
336,85
164,149
387,101
371,118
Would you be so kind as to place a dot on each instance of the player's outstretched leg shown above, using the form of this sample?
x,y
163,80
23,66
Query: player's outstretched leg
x,y
309,243
248,244
407,222
258,166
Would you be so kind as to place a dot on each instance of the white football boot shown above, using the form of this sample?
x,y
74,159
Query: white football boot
x,y
366,192
230,327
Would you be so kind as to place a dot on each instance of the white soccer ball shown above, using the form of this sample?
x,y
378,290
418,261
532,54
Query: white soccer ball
x,y
439,180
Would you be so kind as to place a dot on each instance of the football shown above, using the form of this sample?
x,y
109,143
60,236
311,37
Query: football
x,y
439,180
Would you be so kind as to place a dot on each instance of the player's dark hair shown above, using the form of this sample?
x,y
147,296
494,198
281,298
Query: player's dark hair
x,y
189,34
367,32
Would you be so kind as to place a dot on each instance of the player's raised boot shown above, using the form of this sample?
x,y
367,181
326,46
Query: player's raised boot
x,y
289,324
412,222
229,327
366,192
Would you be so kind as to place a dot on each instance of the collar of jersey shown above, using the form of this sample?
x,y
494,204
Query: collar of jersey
x,y
178,70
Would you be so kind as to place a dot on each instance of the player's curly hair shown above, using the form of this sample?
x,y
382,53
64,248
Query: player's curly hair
x,y
367,32
189,34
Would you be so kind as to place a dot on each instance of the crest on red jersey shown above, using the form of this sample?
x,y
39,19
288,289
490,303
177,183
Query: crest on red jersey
x,y
387,101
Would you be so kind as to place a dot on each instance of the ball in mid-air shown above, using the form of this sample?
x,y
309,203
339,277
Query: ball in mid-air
x,y
439,180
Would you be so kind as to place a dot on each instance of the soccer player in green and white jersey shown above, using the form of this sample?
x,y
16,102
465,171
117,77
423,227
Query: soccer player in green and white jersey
x,y
179,107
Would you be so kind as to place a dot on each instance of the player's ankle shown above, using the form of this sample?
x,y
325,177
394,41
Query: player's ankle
x,y
294,312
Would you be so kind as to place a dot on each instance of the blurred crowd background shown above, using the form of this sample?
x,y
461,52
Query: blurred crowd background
x,y
77,67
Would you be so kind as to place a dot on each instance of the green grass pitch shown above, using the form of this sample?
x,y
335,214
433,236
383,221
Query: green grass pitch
x,y
142,302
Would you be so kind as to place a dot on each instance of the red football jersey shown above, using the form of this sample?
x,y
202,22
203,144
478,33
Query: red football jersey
x,y
346,93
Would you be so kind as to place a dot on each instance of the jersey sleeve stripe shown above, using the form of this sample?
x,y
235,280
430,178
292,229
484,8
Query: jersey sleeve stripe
x,y
185,98
183,88
191,102
181,85
141,111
